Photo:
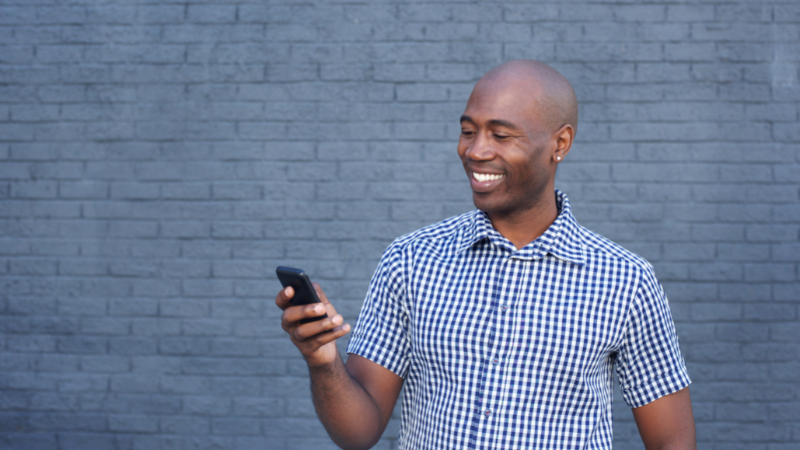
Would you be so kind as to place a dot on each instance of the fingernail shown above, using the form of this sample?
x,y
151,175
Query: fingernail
x,y
318,309
337,320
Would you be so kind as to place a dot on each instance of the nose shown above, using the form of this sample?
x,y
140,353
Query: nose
x,y
481,148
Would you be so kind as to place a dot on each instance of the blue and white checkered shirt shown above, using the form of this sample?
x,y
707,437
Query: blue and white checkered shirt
x,y
514,349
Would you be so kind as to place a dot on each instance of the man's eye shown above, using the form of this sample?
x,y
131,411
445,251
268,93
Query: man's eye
x,y
501,136
466,132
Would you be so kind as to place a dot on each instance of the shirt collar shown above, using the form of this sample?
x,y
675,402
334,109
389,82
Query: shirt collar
x,y
562,239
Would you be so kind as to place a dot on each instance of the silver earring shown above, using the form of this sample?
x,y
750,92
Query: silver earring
x,y
558,158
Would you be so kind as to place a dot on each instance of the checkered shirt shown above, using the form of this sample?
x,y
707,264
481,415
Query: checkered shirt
x,y
514,349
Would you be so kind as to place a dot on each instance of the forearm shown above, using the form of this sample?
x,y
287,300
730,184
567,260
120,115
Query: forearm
x,y
354,402
350,415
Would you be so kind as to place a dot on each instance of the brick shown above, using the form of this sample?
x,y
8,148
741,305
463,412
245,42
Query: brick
x,y
639,13
786,292
206,405
772,233
683,13
33,189
716,312
132,346
87,345
234,347
32,267
229,366
664,192
767,352
184,425
689,252
743,13
743,252
770,272
46,401
236,426
132,423
710,232
717,272
203,327
183,346
104,364
742,332
744,292
31,344
744,92
714,352
105,326
43,441
258,406
155,327
233,386
744,213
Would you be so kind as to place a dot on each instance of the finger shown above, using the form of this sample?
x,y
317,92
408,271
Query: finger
x,y
284,297
325,338
330,310
321,293
296,313
311,329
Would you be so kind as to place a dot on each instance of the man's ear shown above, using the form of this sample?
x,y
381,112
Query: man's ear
x,y
563,138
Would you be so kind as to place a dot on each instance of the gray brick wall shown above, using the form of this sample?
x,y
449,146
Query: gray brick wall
x,y
159,159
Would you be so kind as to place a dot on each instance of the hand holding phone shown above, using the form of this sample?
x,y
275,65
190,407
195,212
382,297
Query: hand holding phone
x,y
313,335
304,292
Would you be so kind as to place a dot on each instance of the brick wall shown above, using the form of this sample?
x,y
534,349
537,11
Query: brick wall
x,y
159,159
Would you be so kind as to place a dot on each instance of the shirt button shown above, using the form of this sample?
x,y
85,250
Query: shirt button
x,y
495,361
488,412
504,307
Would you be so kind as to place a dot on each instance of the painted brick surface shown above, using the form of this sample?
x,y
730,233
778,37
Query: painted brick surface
x,y
159,159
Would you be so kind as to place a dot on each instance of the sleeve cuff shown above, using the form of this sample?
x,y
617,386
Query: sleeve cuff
x,y
379,355
656,388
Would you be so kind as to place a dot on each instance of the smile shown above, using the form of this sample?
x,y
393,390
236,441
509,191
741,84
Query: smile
x,y
481,177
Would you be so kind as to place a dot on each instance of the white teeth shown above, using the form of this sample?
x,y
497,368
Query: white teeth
x,y
481,177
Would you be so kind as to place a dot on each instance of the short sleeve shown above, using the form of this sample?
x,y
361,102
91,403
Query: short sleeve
x,y
381,333
649,363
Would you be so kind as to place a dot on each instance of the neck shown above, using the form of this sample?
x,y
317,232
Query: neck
x,y
523,227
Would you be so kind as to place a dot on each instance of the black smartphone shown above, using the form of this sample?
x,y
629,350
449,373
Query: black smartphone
x,y
304,292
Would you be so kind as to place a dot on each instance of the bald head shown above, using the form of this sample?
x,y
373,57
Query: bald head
x,y
547,91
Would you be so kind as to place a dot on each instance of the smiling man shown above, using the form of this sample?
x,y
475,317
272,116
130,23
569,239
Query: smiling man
x,y
504,323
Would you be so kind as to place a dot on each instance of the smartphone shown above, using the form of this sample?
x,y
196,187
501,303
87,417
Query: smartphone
x,y
304,292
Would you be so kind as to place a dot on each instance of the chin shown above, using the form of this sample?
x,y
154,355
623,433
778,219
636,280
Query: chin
x,y
485,204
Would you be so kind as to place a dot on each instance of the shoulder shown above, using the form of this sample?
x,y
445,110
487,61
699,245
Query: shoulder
x,y
433,242
601,250
444,234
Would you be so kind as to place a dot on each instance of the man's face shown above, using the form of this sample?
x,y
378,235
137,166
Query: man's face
x,y
506,149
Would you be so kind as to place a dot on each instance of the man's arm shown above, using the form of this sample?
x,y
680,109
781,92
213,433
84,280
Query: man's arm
x,y
667,423
354,402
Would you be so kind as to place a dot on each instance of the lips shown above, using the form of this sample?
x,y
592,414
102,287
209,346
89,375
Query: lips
x,y
484,182
481,177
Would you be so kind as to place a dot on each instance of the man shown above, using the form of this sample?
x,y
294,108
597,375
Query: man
x,y
505,323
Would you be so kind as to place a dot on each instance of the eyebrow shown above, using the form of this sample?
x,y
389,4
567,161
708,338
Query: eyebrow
x,y
493,122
